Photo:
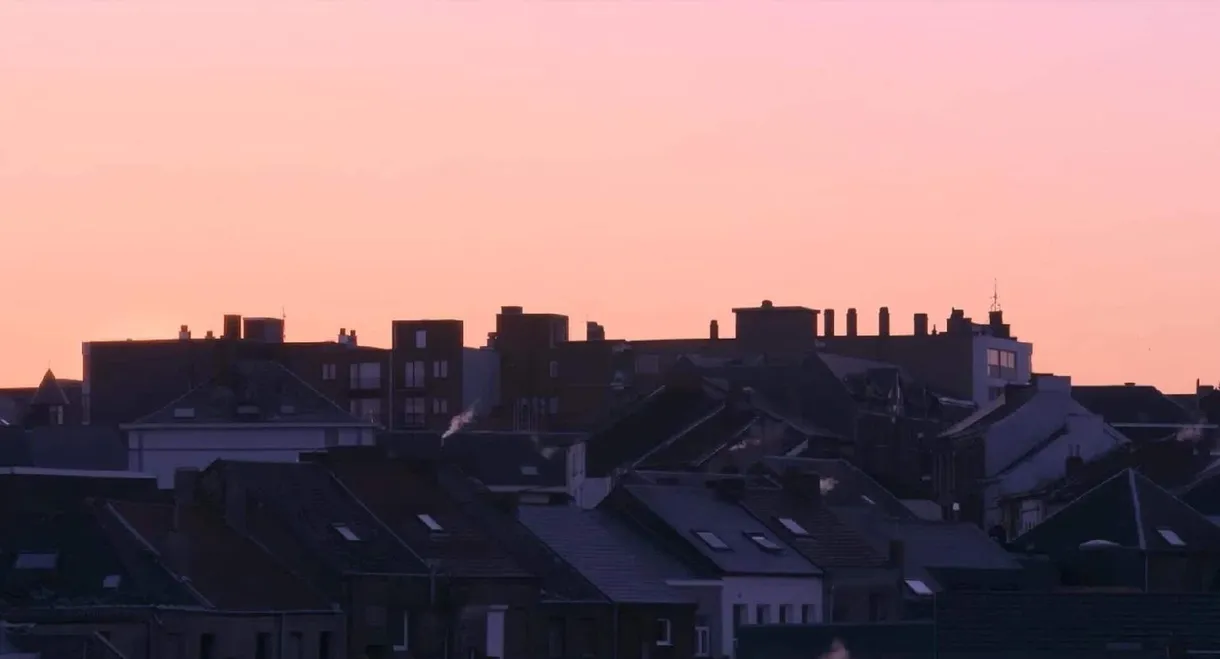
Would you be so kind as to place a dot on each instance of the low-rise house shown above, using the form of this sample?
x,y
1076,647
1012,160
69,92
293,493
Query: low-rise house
x,y
253,410
743,570
1129,533
653,616
1020,440
54,402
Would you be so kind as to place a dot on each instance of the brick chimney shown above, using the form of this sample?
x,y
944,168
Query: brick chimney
x,y
828,322
852,326
921,324
883,322
713,330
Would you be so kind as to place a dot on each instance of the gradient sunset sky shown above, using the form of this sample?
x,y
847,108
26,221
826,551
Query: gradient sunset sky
x,y
645,164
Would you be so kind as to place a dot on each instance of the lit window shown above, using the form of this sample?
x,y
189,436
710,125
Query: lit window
x,y
112,581
36,561
764,542
421,339
793,527
431,523
347,533
918,587
1172,537
712,540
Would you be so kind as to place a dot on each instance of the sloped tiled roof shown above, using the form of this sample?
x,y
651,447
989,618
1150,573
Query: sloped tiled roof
x,y
229,570
848,486
399,493
661,415
1128,510
496,459
308,501
1131,404
253,391
688,510
829,543
24,642
624,565
49,391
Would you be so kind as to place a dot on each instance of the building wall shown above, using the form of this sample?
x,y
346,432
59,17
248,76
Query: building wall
x,y
984,382
772,591
481,379
161,452
437,347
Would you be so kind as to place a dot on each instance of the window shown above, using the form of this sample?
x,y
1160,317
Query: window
x,y
57,415
1172,537
421,339
413,412
664,632
876,607
346,532
741,616
554,369
785,614
647,364
324,645
329,372
703,639
440,405
1001,364
587,637
207,646
529,470
36,561
712,540
428,521
555,638
763,614
764,542
399,630
554,405
112,581
368,409
262,646
809,614
365,376
413,375
440,369
793,527
918,587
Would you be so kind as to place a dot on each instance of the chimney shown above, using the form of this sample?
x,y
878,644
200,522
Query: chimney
x,y
594,332
852,327
921,324
351,338
883,322
209,335
714,330
184,333
342,336
995,318
511,311
828,322
232,326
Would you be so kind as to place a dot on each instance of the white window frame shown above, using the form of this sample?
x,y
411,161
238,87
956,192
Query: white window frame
x,y
406,633
667,637
703,641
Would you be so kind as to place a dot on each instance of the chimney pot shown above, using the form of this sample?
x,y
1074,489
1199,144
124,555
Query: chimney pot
x,y
883,321
714,330
828,324
852,326
767,304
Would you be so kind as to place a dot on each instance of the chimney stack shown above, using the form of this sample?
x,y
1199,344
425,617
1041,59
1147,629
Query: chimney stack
x,y
351,338
714,330
342,336
883,322
232,326
852,327
828,324
209,335
921,324
594,332
184,333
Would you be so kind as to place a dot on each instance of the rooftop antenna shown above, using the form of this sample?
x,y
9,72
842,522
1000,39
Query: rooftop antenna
x,y
995,295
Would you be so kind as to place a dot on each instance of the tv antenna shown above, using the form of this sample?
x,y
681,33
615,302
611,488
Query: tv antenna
x,y
995,295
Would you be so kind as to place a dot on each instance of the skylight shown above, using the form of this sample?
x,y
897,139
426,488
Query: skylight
x,y
918,587
433,525
764,542
868,499
36,561
529,470
347,533
112,581
1172,537
712,540
184,412
793,527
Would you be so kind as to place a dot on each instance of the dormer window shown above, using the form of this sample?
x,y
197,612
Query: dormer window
x,y
428,521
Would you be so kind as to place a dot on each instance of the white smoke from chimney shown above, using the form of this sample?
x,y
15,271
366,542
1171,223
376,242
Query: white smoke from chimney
x,y
827,484
837,651
462,420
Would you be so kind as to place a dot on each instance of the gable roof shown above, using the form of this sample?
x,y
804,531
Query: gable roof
x,y
306,501
496,459
1123,404
644,427
49,393
694,510
1128,510
625,566
253,391
229,570
401,494
847,485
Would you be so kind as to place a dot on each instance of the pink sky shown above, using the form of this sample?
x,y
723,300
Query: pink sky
x,y
645,164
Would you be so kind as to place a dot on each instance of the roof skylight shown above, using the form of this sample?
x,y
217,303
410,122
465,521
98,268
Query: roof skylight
x,y
712,540
529,470
918,587
112,581
36,561
347,533
793,526
428,521
764,542
1172,537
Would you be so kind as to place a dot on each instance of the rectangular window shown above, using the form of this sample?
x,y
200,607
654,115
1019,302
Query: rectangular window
x,y
741,617
554,369
367,409
786,614
1001,364
703,641
296,645
329,372
262,646
664,632
876,607
764,614
440,405
365,376
421,339
555,638
399,630
207,646
440,369
554,405
324,645
712,540
413,412
413,375
809,614
793,526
